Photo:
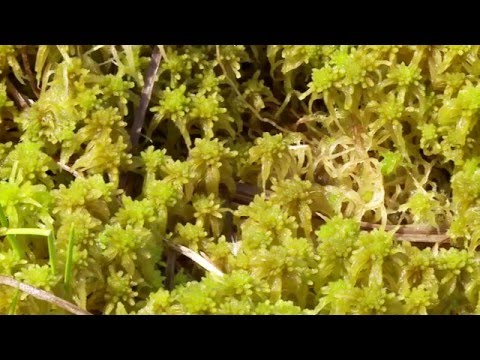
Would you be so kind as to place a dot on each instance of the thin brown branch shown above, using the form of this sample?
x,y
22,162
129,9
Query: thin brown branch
x,y
42,295
139,117
28,70
17,97
404,229
424,238
412,232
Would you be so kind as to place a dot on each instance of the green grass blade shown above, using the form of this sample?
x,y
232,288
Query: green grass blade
x,y
52,252
69,262
13,173
13,306
12,239
39,232
28,231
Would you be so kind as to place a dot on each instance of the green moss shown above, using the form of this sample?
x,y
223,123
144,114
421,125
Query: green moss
x,y
270,162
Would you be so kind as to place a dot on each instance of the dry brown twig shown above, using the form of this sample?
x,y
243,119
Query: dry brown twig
x,y
28,70
139,117
140,112
19,99
424,238
42,295
412,233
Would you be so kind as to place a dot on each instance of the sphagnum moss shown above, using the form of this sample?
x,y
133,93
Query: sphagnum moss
x,y
289,179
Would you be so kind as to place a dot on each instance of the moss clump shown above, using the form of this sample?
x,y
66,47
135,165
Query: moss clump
x,y
295,179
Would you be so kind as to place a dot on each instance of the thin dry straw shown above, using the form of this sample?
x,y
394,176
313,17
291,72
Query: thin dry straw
x,y
197,258
42,295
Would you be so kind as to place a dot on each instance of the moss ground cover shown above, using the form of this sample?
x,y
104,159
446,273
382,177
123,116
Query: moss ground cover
x,y
239,179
